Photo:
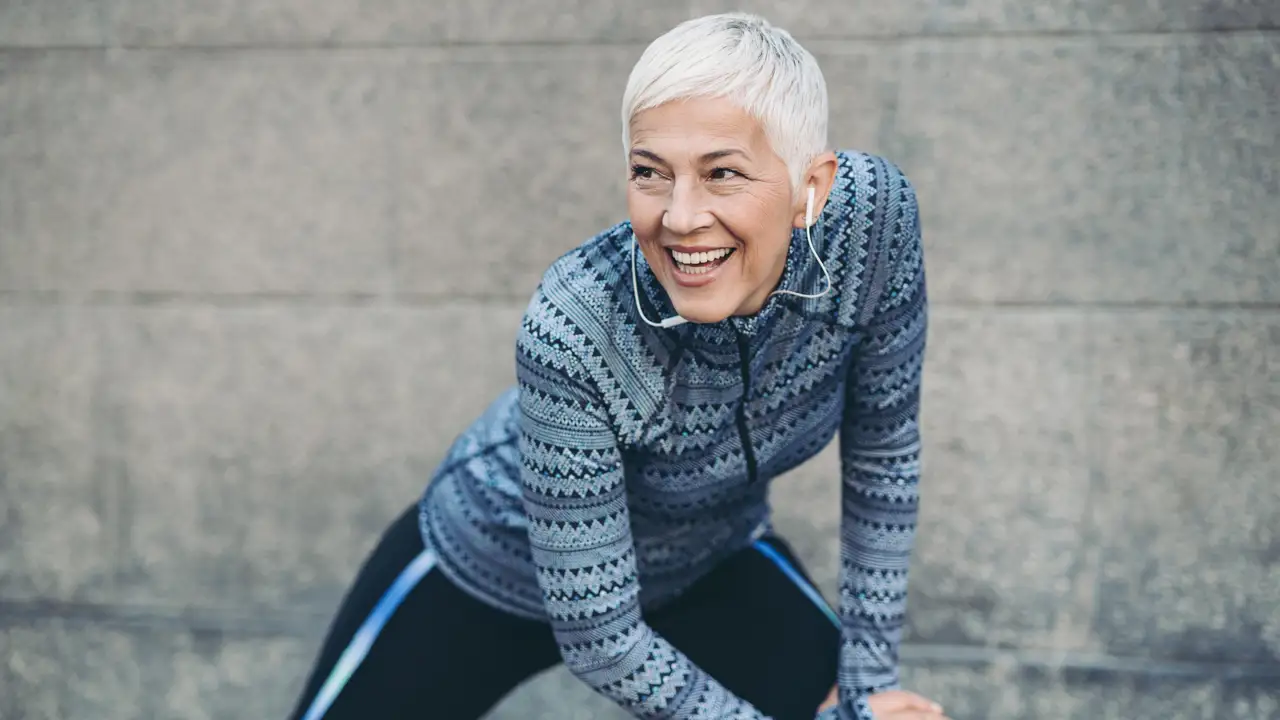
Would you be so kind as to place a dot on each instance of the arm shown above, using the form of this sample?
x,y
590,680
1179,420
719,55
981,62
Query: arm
x,y
880,461
580,535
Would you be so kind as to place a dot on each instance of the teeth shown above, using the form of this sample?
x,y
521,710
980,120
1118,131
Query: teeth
x,y
699,258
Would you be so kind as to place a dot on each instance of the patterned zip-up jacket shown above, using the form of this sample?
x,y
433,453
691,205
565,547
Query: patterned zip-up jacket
x,y
630,459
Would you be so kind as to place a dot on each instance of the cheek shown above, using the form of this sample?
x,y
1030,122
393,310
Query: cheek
x,y
765,256
645,215
765,233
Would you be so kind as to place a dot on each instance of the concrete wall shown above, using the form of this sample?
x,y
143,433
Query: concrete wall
x,y
253,280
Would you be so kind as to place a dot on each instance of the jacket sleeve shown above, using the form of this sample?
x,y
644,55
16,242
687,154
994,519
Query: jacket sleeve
x,y
580,533
880,457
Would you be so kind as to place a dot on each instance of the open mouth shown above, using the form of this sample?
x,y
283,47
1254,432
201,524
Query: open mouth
x,y
699,263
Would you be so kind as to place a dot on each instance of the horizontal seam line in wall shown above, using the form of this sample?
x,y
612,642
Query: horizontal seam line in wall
x,y
250,299
638,45
310,624
1108,305
927,654
51,298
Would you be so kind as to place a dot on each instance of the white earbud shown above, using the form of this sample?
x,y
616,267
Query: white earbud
x,y
808,223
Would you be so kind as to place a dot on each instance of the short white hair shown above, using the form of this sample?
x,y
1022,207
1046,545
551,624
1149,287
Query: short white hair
x,y
753,63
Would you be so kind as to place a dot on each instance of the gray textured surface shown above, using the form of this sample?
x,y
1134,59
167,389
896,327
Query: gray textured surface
x,y
254,278
178,457
1005,548
1185,399
55,670
328,22
165,23
234,23
1230,87
191,172
40,23
910,18
60,515
1165,140
552,185
228,501
1002,690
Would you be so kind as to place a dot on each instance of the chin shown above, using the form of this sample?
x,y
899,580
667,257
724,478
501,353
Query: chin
x,y
704,313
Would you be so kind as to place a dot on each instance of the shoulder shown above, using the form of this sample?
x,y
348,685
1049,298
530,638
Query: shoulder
x,y
567,320
874,226
874,195
582,283
579,334
868,170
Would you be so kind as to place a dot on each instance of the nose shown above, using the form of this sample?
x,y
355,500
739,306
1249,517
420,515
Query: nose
x,y
685,213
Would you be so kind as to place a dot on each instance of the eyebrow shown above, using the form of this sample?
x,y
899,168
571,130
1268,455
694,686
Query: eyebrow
x,y
717,154
708,157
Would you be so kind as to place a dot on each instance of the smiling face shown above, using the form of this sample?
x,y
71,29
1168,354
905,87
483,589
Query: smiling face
x,y
711,206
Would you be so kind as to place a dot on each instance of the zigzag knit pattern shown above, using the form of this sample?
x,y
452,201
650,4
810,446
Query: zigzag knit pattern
x,y
630,460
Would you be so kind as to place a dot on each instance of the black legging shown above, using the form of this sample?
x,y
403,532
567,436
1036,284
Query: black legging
x,y
754,623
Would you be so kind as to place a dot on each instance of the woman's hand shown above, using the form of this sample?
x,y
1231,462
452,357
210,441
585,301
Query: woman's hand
x,y
903,705
895,705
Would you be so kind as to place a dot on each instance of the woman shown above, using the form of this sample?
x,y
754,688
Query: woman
x,y
610,512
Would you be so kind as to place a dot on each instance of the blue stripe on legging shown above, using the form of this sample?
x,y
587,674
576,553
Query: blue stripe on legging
x,y
359,646
790,571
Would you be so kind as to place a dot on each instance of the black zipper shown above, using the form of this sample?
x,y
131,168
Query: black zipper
x,y
744,356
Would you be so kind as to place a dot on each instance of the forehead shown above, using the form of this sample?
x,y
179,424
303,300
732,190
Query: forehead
x,y
697,124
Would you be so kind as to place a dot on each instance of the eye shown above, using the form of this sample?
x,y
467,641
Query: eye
x,y
724,173
642,172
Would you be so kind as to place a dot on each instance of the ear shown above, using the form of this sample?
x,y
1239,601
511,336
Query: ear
x,y
821,175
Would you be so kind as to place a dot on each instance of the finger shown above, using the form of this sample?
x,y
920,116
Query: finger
x,y
906,700
910,715
921,702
